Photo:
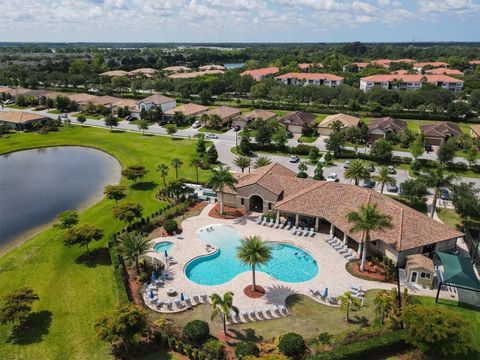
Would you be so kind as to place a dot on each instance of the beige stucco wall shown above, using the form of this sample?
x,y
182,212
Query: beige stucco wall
x,y
419,281
325,131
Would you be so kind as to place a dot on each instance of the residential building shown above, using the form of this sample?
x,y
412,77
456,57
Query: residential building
x,y
156,100
194,74
474,62
250,116
324,205
419,270
21,120
297,120
409,82
444,71
176,69
260,74
187,110
211,67
226,113
475,131
400,72
304,79
419,67
147,72
306,67
325,127
438,133
115,73
379,128
386,62
359,65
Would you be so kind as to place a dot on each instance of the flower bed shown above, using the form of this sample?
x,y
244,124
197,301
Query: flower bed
x,y
229,212
371,271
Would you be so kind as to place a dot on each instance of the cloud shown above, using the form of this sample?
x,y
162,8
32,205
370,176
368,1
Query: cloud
x,y
443,6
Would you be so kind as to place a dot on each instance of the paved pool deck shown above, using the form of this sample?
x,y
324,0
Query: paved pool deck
x,y
332,273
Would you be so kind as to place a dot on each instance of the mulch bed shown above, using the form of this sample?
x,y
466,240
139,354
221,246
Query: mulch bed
x,y
258,293
353,268
134,287
229,212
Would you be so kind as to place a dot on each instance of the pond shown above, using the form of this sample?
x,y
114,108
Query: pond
x,y
234,65
36,185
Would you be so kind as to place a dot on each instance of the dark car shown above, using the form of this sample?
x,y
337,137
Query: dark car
x,y
237,128
368,183
370,168
444,194
392,188
428,148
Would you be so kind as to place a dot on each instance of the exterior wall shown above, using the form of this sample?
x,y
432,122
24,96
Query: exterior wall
x,y
294,129
419,280
165,107
433,140
374,136
388,251
230,200
325,131
305,82
368,85
446,245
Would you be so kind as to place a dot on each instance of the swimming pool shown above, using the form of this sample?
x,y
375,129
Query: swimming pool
x,y
289,263
162,246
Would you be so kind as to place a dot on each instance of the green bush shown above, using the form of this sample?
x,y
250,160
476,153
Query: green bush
x,y
170,226
248,348
373,347
292,344
214,349
197,331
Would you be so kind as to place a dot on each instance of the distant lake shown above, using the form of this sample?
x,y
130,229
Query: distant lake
x,y
36,185
233,65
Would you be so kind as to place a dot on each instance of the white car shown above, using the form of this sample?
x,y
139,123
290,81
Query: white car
x,y
211,136
196,124
9,102
294,159
333,177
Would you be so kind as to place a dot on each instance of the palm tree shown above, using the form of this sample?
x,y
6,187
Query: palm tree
x,y
436,179
262,161
384,300
220,178
242,162
176,163
367,219
198,164
134,245
163,170
253,251
357,171
384,178
348,301
223,306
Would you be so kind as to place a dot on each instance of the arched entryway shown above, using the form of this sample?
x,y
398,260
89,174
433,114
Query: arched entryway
x,y
256,203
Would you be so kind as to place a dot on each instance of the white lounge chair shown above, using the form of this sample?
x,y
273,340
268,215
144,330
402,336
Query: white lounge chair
x,y
343,250
305,231
259,220
332,240
311,233
277,224
283,310
338,245
244,317
271,223
289,226
264,221
271,310
314,291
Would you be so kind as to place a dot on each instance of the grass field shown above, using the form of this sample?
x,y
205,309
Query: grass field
x,y
72,294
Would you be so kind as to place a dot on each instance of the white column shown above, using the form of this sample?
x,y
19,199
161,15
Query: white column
x,y
316,224
359,250
332,229
278,215
296,219
345,238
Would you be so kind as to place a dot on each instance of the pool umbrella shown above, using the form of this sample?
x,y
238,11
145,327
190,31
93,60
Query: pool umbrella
x,y
182,297
154,276
166,253
151,294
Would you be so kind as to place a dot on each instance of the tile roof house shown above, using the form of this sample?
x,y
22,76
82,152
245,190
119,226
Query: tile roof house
x,y
409,82
438,133
380,127
295,121
187,110
431,64
226,113
20,120
304,79
359,65
246,118
156,100
325,127
211,67
444,71
194,74
319,204
306,67
474,62
148,72
115,73
420,270
175,69
475,131
260,74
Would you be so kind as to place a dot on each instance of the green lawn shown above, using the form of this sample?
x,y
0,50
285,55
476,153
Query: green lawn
x,y
307,139
160,356
213,131
73,295
449,217
15,106
54,111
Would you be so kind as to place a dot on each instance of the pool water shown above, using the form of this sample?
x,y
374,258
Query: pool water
x,y
289,263
162,246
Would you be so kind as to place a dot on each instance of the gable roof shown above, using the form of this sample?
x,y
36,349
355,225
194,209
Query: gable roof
x,y
176,68
114,73
441,129
420,261
411,78
434,64
258,73
387,123
224,112
144,71
310,76
476,129
346,120
20,117
187,109
444,71
257,114
298,118
155,99
211,67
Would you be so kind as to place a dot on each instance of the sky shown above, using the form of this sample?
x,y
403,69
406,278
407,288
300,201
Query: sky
x,y
239,20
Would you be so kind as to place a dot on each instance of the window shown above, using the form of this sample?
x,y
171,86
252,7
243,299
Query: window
x,y
269,206
424,275
242,201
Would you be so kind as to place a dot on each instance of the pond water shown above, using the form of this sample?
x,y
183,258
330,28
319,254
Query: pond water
x,y
234,65
36,185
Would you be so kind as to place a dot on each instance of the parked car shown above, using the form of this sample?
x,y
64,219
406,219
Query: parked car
x,y
294,159
196,124
392,170
333,177
346,164
428,148
211,136
368,183
370,168
64,116
444,194
129,118
392,188
237,128
9,102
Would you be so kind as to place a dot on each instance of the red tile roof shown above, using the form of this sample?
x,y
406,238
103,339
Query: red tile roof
x,y
310,76
444,71
305,66
258,73
386,62
412,78
474,62
434,64
441,129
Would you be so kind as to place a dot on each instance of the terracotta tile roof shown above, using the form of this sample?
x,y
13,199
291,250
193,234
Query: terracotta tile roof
x,y
211,67
360,65
194,74
20,117
298,118
441,129
434,64
129,103
411,78
258,114
310,76
187,109
144,71
476,129
445,71
400,72
387,123
306,66
332,201
105,100
386,62
155,99
176,68
474,62
420,261
224,112
346,120
81,98
259,73
114,73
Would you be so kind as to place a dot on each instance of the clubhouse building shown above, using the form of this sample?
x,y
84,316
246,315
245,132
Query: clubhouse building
x,y
323,206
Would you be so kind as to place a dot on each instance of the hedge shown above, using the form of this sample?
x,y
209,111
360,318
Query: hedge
x,y
376,346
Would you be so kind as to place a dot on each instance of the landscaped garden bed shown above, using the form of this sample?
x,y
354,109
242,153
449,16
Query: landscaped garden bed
x,y
228,212
374,271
